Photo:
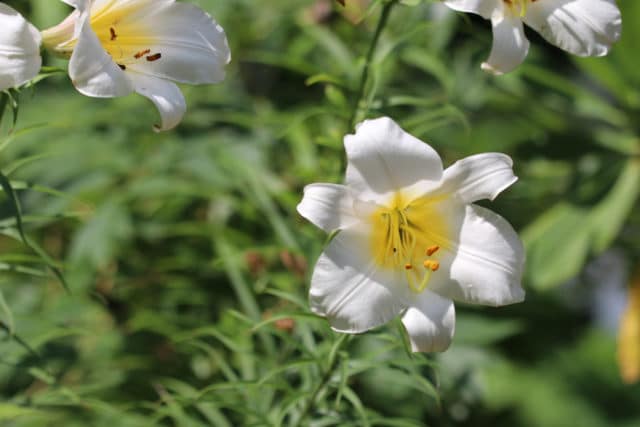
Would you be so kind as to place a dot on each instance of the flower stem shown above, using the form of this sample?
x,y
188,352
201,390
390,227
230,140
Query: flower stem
x,y
326,377
384,18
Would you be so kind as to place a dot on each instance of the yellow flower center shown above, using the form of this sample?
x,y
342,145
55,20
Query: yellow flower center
x,y
125,40
518,6
407,234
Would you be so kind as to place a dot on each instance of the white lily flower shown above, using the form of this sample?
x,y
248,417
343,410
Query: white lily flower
x,y
122,46
580,27
20,59
410,239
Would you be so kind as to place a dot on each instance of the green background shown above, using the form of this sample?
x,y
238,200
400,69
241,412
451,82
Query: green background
x,y
187,265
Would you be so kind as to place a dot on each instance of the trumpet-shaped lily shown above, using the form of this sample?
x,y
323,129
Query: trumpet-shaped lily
x,y
580,27
117,47
410,240
20,58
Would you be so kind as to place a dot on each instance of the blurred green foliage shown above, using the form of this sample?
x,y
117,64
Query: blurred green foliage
x,y
187,267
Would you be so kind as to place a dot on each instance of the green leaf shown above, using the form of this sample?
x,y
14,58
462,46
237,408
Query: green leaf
x,y
557,245
97,242
323,78
481,331
10,412
15,205
3,104
8,315
608,218
353,398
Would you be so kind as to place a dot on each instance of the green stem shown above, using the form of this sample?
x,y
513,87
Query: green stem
x,y
4,98
21,342
326,377
384,18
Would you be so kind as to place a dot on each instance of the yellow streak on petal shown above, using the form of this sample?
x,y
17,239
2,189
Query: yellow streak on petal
x,y
518,7
122,30
629,335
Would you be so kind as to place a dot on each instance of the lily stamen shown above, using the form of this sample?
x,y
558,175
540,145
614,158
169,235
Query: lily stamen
x,y
431,264
402,227
423,283
142,53
432,250
523,8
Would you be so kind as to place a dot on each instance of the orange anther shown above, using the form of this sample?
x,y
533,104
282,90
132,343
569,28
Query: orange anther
x,y
432,265
408,266
154,57
432,250
142,53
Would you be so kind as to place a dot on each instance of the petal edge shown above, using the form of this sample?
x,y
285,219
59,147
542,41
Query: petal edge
x,y
349,290
477,177
510,45
486,263
384,159
430,323
580,27
327,206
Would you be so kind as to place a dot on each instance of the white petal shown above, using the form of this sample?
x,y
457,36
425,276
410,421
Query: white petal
x,y
349,289
91,69
166,96
193,47
484,263
430,322
483,8
79,4
19,49
482,176
328,206
510,46
383,159
581,27
130,5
